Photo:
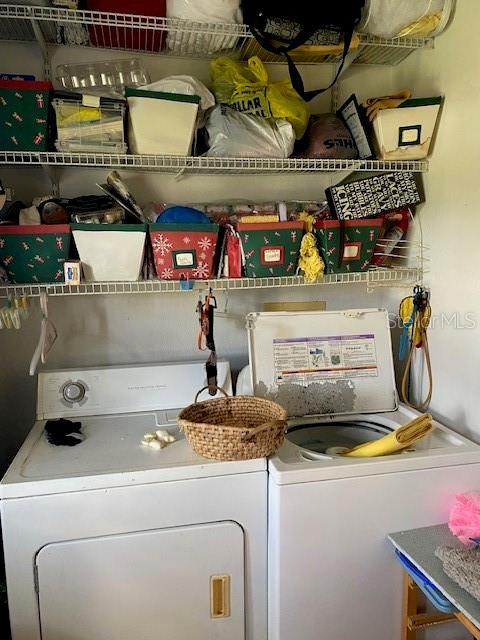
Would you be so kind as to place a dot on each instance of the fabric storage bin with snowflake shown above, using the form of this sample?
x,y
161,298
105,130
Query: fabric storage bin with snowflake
x,y
34,253
25,115
184,251
110,252
271,249
347,246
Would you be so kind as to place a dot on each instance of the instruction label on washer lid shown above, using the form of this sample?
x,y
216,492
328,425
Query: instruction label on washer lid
x,y
307,360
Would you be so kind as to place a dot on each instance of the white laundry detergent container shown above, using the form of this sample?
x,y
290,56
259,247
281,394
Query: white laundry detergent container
x,y
110,252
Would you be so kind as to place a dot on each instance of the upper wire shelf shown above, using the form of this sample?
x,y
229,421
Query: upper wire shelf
x,y
147,34
396,277
205,165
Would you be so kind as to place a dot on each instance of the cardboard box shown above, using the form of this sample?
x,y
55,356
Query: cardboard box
x,y
271,249
347,247
184,251
25,115
375,195
406,133
34,253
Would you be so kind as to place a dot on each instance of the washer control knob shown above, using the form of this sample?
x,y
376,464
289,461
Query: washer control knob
x,y
73,392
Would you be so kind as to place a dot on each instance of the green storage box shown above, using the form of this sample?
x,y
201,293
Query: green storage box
x,y
271,249
347,246
25,115
34,253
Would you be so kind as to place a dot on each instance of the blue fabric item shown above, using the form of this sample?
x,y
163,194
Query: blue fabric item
x,y
435,596
182,215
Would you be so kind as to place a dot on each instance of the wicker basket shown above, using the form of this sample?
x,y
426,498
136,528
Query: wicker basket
x,y
234,428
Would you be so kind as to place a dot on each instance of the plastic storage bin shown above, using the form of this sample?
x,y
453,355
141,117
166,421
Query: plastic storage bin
x,y
161,123
184,251
110,252
271,249
34,253
406,133
347,246
81,127
106,77
25,115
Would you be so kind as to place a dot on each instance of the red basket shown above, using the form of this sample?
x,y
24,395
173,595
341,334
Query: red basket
x,y
127,37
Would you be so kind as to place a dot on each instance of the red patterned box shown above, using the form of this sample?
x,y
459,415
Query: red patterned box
x,y
184,251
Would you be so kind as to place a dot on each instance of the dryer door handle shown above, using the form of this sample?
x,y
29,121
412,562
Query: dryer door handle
x,y
220,596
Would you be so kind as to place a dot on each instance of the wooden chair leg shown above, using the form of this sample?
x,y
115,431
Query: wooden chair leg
x,y
410,607
468,625
413,621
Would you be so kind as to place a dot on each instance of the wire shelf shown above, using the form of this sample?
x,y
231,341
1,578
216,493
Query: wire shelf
x,y
201,164
147,34
403,277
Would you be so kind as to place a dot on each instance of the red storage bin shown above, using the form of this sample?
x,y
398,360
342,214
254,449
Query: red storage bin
x,y
127,37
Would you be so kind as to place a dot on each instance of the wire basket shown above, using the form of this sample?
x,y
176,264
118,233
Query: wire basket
x,y
234,428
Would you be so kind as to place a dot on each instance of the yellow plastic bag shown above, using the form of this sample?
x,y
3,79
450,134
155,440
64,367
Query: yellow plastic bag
x,y
246,88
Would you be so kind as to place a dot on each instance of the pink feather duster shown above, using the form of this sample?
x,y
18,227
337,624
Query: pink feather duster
x,y
464,519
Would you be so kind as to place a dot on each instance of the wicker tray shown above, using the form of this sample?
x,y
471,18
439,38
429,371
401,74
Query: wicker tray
x,y
234,428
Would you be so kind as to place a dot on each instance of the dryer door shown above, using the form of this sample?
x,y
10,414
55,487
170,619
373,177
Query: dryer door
x,y
174,584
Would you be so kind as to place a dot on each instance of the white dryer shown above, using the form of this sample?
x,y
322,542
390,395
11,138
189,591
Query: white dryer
x,y
332,573
112,539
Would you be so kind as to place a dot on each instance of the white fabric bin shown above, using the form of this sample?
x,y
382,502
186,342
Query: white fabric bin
x,y
161,123
110,252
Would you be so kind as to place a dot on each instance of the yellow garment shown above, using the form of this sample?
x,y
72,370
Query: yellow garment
x,y
68,114
423,27
374,105
400,439
310,264
406,311
308,52
246,88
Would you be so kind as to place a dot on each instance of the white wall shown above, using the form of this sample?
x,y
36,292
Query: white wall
x,y
146,328
451,215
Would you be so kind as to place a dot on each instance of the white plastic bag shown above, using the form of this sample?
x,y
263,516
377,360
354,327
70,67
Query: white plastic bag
x,y
227,11
232,134
210,11
392,18
186,86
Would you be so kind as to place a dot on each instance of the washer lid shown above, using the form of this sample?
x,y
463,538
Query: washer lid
x,y
323,362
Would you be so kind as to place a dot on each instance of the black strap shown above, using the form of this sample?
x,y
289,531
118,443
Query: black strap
x,y
301,38
296,78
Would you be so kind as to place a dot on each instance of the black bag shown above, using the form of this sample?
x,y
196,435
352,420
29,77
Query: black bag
x,y
293,23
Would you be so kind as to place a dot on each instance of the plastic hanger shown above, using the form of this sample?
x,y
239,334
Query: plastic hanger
x,y
48,335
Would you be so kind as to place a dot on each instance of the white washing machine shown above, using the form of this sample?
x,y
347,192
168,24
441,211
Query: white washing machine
x,y
332,573
111,539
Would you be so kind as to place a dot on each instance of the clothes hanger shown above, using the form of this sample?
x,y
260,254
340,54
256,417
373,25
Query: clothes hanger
x,y
48,335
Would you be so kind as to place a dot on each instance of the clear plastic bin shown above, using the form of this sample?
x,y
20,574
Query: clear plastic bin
x,y
108,78
90,128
